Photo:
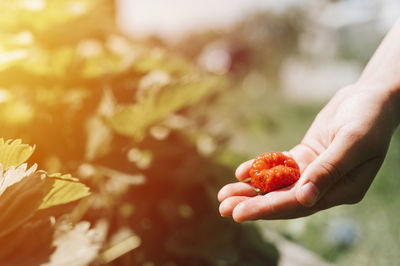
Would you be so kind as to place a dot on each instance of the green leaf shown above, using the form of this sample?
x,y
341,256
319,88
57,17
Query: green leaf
x,y
134,119
14,153
65,189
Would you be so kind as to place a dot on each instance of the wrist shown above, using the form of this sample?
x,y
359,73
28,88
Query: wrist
x,y
388,96
382,72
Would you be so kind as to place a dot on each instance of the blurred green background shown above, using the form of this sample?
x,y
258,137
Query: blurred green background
x,y
153,104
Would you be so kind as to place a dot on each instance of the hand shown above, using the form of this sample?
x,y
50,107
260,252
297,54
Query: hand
x,y
338,158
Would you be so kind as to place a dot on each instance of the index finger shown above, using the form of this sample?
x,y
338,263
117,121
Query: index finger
x,y
242,172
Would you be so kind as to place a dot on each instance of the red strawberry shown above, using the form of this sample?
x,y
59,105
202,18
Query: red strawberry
x,y
273,170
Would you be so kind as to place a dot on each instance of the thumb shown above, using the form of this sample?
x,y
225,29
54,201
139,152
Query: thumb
x,y
341,156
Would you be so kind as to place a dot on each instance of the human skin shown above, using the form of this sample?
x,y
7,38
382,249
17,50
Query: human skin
x,y
341,152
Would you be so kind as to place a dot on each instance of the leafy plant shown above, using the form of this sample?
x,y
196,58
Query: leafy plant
x,y
23,192
124,116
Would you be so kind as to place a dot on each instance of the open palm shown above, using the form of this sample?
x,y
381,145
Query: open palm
x,y
338,158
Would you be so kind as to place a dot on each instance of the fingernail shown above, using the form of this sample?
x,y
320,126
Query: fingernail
x,y
309,194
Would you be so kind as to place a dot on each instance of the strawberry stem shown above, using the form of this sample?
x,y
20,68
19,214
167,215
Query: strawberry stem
x,y
246,180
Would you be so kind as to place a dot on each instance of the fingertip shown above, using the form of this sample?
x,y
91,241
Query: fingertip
x,y
222,194
237,189
242,171
223,209
237,213
226,207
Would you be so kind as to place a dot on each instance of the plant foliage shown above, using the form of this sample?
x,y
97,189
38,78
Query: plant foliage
x,y
127,118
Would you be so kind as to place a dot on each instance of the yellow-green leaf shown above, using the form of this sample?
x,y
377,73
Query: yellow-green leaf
x,y
65,189
133,120
14,153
